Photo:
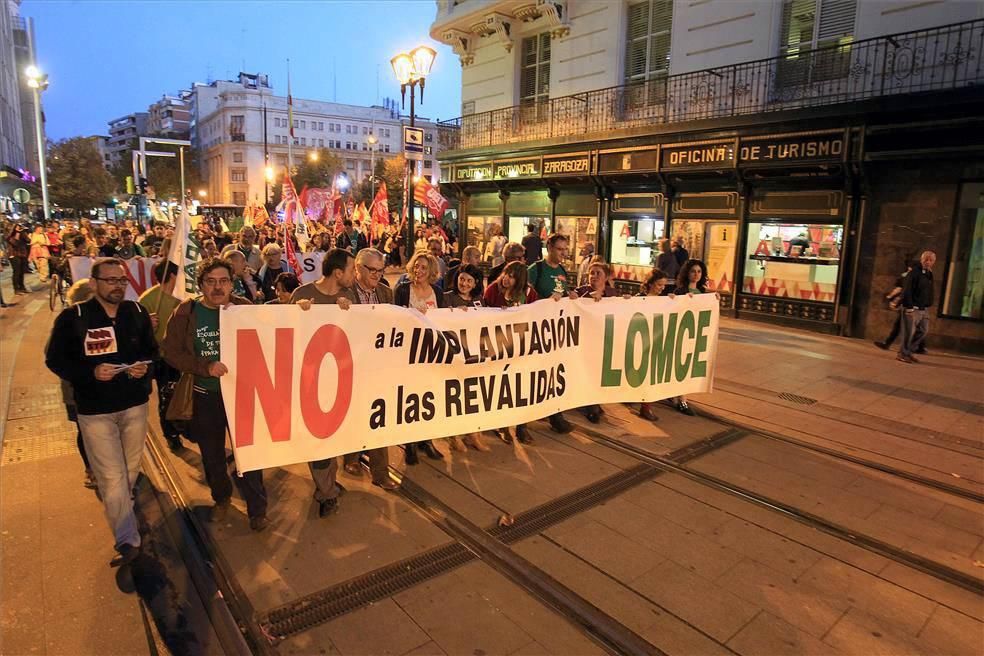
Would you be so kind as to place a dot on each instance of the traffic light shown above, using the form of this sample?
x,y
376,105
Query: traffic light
x,y
143,185
129,185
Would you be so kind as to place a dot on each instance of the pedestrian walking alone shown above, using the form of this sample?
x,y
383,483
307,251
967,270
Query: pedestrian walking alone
x,y
917,297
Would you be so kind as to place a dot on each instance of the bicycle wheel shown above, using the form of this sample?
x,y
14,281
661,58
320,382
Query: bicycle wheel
x,y
62,288
54,287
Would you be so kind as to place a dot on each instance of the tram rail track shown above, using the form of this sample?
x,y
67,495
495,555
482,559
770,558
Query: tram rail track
x,y
491,545
664,464
229,610
924,481
262,632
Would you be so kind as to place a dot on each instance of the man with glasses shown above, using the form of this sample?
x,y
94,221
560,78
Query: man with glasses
x,y
370,265
512,252
105,348
191,345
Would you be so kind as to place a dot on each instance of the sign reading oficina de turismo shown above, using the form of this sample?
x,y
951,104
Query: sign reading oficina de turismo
x,y
309,385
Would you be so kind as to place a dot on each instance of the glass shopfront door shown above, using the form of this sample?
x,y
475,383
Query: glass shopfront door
x,y
581,231
480,232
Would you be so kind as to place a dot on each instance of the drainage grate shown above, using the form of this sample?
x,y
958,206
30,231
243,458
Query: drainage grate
x,y
539,519
796,398
319,607
316,608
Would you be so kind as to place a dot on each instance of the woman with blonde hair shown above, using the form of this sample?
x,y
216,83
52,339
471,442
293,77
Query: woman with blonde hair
x,y
420,292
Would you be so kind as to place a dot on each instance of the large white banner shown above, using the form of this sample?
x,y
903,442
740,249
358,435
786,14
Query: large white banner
x,y
308,385
139,270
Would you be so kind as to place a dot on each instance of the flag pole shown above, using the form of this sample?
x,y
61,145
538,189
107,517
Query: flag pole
x,y
290,123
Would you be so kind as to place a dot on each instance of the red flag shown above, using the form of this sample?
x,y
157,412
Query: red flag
x,y
290,252
290,204
430,197
380,206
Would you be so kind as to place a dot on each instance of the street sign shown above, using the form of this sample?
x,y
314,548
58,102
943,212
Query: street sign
x,y
413,142
21,195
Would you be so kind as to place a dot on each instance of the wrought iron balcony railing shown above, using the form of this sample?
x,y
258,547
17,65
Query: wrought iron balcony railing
x,y
941,58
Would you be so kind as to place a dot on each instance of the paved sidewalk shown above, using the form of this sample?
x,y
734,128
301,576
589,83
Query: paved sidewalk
x,y
850,396
59,594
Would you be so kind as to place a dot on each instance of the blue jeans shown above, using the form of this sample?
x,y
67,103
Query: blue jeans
x,y
114,443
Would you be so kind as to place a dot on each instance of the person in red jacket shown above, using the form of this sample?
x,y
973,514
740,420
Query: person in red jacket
x,y
510,290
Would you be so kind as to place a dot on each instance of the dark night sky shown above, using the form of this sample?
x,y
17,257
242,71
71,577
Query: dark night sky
x,y
107,59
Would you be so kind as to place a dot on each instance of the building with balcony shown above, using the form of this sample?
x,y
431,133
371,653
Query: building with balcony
x,y
240,126
738,127
170,117
124,135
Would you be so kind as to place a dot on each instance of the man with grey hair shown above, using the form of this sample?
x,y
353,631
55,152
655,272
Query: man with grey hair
x,y
513,252
917,297
370,265
247,246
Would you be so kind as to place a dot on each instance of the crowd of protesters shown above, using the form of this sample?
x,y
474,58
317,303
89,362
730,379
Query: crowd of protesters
x,y
171,342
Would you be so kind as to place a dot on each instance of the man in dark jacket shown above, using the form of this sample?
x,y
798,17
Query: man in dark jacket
x,y
191,345
917,297
105,348
18,248
532,244
679,251
351,239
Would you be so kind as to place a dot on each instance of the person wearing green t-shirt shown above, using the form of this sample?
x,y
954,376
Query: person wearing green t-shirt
x,y
549,279
191,345
548,276
160,303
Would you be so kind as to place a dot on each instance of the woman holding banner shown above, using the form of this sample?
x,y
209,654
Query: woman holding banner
x,y
466,291
691,280
598,287
509,290
466,288
653,285
420,293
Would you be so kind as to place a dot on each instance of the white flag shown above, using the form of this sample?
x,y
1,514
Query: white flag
x,y
301,232
185,254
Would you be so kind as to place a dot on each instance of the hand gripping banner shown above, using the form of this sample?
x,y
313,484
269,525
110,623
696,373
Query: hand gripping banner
x,y
309,385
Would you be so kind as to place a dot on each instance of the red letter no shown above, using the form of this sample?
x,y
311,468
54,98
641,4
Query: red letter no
x,y
327,339
253,380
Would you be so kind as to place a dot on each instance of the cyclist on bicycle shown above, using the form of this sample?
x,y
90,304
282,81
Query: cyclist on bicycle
x,y
79,248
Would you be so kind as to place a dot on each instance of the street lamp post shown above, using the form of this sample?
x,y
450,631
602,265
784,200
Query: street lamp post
x,y
411,70
38,82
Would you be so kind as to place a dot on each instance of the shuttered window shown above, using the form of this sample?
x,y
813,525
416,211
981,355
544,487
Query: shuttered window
x,y
811,24
647,42
534,79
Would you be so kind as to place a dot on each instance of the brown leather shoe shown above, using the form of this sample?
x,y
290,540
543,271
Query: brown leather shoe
x,y
354,469
389,485
646,412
